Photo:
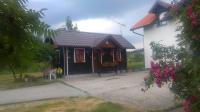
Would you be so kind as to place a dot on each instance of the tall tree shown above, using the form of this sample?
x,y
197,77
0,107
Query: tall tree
x,y
20,27
69,25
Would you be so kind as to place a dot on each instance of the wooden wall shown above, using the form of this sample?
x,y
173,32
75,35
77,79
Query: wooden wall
x,y
81,68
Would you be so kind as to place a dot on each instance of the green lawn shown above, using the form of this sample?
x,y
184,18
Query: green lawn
x,y
135,62
7,82
135,65
68,105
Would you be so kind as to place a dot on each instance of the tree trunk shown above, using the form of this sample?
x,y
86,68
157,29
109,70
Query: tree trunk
x,y
21,76
13,72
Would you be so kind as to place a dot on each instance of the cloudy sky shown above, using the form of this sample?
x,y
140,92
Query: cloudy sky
x,y
100,16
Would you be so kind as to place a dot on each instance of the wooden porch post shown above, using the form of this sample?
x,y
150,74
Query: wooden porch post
x,y
101,56
64,60
67,61
113,55
92,61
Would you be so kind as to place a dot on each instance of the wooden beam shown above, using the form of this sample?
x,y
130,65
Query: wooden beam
x,y
64,60
67,60
92,61
113,55
101,56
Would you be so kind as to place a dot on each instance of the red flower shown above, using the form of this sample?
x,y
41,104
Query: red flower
x,y
192,16
145,78
188,102
166,71
189,10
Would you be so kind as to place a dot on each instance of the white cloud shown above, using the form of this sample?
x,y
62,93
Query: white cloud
x,y
99,25
59,25
109,25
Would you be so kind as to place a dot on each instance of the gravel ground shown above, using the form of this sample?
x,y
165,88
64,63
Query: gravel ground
x,y
124,88
55,90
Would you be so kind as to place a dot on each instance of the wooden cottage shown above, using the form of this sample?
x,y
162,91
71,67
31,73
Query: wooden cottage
x,y
83,52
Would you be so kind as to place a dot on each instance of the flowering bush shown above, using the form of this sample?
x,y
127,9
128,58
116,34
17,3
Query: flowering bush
x,y
167,61
178,69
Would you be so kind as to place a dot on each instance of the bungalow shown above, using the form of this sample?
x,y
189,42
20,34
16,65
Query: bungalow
x,y
84,52
158,26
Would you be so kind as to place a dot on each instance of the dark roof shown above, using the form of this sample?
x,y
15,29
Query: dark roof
x,y
86,39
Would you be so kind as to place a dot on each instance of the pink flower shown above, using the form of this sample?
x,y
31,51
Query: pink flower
x,y
157,72
166,71
145,78
192,16
188,102
159,82
189,10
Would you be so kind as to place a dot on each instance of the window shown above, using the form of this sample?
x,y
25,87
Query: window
x,y
162,23
162,16
107,56
162,19
79,55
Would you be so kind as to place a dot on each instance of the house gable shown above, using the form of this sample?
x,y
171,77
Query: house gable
x,y
109,42
159,12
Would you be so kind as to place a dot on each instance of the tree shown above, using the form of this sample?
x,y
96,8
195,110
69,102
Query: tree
x,y
19,32
180,67
70,26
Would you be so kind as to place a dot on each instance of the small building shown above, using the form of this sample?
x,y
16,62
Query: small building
x,y
159,26
84,52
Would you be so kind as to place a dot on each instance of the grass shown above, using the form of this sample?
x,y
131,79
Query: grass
x,y
135,65
7,81
88,104
135,62
111,107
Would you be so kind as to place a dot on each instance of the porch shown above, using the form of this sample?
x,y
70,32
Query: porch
x,y
107,56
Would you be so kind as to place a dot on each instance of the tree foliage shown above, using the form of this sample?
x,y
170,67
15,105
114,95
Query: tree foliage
x,y
70,26
20,29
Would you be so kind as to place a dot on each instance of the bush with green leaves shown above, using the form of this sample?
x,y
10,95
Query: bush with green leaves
x,y
20,29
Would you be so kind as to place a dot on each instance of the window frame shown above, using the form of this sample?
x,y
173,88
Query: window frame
x,y
113,55
162,23
75,61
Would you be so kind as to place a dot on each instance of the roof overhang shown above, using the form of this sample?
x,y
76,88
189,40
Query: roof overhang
x,y
152,15
147,20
